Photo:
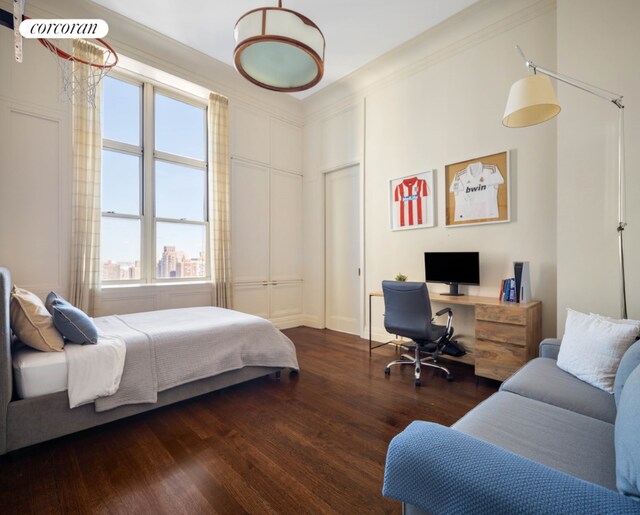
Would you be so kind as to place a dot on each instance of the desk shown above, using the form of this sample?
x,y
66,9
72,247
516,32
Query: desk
x,y
507,334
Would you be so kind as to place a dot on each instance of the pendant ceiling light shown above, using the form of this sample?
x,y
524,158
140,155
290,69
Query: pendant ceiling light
x,y
279,49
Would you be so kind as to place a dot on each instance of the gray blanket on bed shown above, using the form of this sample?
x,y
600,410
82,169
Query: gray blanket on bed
x,y
176,346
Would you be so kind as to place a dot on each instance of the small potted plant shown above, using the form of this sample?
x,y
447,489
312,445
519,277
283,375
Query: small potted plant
x,y
401,277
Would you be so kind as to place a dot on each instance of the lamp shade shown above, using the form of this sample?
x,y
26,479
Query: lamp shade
x,y
279,49
532,100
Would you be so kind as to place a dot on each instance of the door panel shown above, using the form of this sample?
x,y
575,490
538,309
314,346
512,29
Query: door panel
x,y
286,221
286,299
342,233
252,299
249,222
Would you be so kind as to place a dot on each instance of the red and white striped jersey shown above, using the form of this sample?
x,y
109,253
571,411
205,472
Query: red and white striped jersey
x,y
410,198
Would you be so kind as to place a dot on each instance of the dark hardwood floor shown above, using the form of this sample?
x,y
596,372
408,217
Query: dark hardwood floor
x,y
312,443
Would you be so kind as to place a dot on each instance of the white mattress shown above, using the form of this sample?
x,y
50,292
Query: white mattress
x,y
39,373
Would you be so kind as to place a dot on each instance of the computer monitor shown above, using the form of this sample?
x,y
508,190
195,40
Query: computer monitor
x,y
452,268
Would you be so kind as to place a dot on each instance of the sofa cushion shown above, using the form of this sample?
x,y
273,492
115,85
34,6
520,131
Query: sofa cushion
x,y
549,348
629,362
592,348
627,437
578,445
542,380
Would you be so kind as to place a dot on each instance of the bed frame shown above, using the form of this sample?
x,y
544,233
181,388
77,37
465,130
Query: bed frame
x,y
30,421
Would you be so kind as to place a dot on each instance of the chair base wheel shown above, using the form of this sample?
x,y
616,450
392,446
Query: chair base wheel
x,y
417,382
449,377
387,371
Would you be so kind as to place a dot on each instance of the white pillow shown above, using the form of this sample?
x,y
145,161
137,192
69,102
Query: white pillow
x,y
592,348
625,321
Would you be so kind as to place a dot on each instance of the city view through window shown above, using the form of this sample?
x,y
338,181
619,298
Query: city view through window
x,y
177,171
173,264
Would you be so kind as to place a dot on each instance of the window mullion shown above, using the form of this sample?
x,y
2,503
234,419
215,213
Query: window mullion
x,y
180,160
121,147
148,205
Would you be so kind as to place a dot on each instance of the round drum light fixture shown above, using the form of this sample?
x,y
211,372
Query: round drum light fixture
x,y
279,49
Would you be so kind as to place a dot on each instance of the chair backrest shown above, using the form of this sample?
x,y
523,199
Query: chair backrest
x,y
407,309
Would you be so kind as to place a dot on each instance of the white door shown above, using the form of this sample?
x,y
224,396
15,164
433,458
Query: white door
x,y
342,234
249,222
286,245
250,237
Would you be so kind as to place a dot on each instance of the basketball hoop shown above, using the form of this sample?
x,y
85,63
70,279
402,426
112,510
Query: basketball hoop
x,y
81,75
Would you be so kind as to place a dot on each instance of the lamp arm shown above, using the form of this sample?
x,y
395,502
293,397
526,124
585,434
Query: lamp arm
x,y
616,99
622,222
610,96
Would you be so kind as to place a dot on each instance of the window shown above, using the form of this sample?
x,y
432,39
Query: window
x,y
154,185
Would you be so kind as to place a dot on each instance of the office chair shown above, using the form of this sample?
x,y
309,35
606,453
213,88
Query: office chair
x,y
407,312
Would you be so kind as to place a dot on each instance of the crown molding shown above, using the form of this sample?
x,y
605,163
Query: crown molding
x,y
155,49
478,23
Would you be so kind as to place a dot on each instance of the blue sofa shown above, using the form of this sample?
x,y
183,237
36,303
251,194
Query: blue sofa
x,y
546,442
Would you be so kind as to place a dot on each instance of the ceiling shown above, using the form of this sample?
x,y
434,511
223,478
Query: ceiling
x,y
356,31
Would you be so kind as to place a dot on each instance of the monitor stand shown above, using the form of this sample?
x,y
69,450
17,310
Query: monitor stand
x,y
453,290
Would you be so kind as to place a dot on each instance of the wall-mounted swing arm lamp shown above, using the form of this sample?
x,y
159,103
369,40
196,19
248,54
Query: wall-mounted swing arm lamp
x,y
532,101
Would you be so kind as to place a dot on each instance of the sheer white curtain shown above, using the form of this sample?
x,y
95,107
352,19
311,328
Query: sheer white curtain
x,y
86,210
219,223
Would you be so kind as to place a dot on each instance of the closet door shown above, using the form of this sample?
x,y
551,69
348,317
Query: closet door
x,y
286,244
252,298
286,223
250,236
342,258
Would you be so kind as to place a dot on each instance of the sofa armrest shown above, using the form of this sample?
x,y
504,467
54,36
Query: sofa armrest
x,y
444,471
549,348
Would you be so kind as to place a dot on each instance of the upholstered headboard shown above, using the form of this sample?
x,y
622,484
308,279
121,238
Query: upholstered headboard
x,y
6,378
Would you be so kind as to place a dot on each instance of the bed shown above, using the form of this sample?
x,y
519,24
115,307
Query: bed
x,y
168,359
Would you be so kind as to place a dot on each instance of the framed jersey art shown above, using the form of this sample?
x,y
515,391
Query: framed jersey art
x,y
412,201
478,191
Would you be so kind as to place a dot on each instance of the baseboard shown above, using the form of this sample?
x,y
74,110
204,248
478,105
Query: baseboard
x,y
378,334
288,322
312,321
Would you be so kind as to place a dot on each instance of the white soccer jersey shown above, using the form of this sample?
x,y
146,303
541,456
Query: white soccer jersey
x,y
476,192
410,201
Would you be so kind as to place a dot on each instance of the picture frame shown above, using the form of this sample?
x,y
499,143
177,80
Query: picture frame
x,y
477,191
412,200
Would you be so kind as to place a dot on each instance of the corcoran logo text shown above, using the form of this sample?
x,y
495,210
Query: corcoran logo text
x,y
63,29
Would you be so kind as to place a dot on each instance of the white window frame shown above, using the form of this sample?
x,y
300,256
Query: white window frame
x,y
147,214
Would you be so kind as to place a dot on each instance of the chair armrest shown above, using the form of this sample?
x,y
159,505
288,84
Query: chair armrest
x,y
449,313
444,471
549,348
444,311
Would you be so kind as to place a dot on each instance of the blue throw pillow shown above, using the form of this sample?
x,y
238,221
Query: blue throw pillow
x,y
627,437
73,323
628,364
49,301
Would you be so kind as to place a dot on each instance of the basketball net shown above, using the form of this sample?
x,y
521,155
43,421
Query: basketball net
x,y
83,64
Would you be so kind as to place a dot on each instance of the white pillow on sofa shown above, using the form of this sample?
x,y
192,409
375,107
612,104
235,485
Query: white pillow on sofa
x,y
625,321
592,348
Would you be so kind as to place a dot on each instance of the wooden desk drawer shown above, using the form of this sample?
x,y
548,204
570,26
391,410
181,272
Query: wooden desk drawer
x,y
498,360
505,333
503,313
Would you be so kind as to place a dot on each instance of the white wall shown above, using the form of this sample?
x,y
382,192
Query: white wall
x,y
438,100
331,142
35,148
35,161
598,43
